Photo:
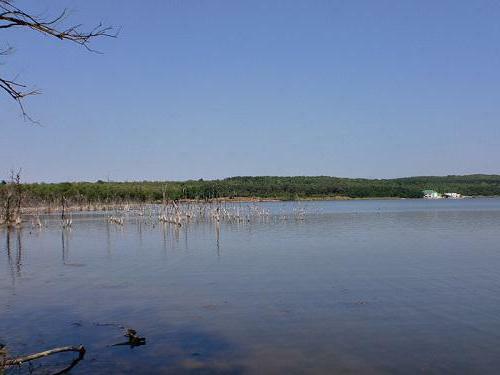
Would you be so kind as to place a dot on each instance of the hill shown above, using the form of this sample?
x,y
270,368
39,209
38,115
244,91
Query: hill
x,y
286,188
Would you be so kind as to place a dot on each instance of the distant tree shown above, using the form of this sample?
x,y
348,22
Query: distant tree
x,y
12,17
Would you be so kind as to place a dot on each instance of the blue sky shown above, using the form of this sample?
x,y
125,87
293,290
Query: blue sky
x,y
210,89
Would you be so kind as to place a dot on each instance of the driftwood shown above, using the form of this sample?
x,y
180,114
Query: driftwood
x,y
20,360
131,334
133,339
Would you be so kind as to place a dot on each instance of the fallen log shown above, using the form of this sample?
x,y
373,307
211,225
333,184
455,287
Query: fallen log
x,y
20,360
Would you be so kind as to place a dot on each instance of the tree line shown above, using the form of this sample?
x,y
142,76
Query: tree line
x,y
284,188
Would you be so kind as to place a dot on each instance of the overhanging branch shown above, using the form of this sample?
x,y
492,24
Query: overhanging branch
x,y
13,17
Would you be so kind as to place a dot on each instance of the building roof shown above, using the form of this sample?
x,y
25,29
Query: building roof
x,y
429,191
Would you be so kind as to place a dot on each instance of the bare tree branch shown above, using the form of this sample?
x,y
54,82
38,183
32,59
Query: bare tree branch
x,y
13,17
16,91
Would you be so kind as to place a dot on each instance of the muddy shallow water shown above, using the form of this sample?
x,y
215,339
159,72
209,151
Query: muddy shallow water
x,y
403,286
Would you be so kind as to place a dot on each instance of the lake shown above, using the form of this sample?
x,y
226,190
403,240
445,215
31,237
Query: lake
x,y
362,286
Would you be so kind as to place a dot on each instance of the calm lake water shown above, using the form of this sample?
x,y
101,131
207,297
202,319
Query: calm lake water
x,y
396,286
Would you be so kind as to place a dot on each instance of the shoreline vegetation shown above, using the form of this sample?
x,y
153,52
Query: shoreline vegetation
x,y
18,198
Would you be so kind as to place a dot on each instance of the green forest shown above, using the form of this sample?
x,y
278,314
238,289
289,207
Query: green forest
x,y
283,188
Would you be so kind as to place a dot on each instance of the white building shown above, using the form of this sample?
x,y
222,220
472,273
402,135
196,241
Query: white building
x,y
453,195
431,194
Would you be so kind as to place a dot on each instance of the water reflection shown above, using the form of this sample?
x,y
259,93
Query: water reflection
x,y
19,252
186,229
164,236
65,244
14,253
65,247
217,236
108,238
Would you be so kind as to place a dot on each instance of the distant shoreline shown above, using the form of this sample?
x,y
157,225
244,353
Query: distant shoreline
x,y
32,210
109,195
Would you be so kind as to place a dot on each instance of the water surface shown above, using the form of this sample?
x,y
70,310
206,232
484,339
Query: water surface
x,y
396,286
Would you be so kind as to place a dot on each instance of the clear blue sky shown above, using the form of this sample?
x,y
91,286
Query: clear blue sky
x,y
209,89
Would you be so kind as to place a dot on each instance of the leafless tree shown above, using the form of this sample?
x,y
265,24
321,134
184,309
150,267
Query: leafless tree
x,y
13,17
11,196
